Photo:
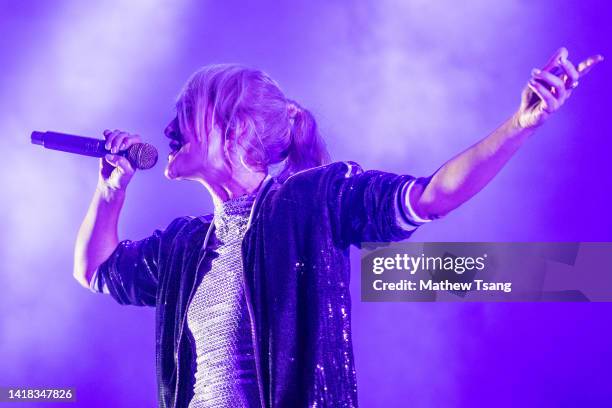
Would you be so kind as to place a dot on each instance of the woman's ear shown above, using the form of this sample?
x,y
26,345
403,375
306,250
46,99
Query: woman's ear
x,y
243,162
236,155
233,153
232,144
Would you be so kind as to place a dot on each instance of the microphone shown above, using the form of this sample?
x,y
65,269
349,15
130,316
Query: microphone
x,y
140,155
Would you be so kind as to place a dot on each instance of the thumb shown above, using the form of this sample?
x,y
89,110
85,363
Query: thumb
x,y
120,163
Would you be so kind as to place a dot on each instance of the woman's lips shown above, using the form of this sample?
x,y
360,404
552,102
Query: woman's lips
x,y
175,146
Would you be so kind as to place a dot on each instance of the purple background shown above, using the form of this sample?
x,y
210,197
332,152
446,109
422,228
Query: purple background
x,y
396,86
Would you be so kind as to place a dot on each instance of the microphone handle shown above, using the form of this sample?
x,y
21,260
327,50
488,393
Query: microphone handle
x,y
72,144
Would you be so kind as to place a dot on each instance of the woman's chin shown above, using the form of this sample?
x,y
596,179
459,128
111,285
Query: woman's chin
x,y
173,173
170,172
168,175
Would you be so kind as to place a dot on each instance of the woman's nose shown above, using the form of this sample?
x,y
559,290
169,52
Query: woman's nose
x,y
170,130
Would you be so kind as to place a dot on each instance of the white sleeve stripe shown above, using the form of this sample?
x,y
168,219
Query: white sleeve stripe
x,y
408,207
400,216
93,284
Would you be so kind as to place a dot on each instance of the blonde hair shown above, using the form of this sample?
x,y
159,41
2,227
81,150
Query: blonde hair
x,y
274,128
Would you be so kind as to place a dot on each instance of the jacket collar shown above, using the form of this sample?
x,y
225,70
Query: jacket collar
x,y
267,182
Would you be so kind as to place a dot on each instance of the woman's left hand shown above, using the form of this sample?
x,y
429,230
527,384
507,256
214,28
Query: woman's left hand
x,y
549,88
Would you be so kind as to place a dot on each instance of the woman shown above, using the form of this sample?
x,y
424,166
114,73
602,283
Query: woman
x,y
252,302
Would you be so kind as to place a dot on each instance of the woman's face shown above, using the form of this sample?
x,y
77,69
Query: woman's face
x,y
192,158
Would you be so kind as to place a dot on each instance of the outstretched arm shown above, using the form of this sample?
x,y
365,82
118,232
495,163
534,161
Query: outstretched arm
x,y
467,173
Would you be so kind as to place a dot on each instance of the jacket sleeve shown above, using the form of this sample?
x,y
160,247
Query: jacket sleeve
x,y
365,206
131,273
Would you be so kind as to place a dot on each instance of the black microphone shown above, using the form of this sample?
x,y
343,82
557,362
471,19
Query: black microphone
x,y
141,155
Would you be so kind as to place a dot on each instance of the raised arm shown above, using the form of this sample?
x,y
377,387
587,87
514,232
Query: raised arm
x,y
97,236
468,172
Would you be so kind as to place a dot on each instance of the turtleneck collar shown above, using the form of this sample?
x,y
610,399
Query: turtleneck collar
x,y
235,206
231,217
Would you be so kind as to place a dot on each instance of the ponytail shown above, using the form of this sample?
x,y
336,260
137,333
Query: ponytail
x,y
307,148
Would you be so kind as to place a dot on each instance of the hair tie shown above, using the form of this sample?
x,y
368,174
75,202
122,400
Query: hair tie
x,y
293,110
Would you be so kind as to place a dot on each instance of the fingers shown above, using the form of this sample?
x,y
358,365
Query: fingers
x,y
560,60
120,163
560,54
117,140
548,99
561,66
555,85
585,66
571,74
114,139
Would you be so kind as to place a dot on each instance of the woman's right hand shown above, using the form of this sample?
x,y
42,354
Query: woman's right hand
x,y
116,171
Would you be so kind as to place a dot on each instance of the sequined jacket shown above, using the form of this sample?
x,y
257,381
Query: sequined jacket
x,y
296,274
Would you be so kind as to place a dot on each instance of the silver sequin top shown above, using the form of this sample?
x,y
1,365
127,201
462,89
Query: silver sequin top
x,y
219,321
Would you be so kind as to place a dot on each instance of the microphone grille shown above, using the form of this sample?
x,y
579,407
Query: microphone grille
x,y
142,155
